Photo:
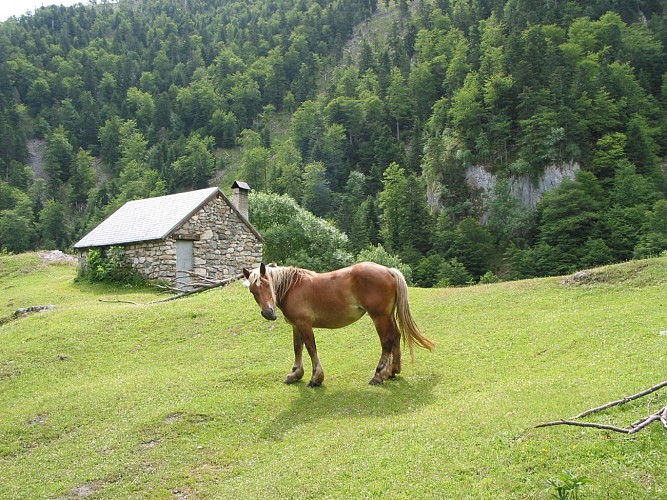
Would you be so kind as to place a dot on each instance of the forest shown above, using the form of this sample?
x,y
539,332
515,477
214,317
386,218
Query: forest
x,y
358,143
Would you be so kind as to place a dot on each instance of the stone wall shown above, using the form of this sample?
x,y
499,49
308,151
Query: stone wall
x,y
222,246
154,259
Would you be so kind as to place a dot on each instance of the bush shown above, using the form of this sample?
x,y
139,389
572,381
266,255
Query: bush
x,y
296,237
454,273
112,267
488,278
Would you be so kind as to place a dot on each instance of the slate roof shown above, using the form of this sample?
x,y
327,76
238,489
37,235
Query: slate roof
x,y
149,219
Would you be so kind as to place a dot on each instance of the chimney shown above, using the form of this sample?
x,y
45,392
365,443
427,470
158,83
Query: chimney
x,y
240,192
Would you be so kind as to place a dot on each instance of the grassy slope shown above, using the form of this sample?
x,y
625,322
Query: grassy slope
x,y
184,398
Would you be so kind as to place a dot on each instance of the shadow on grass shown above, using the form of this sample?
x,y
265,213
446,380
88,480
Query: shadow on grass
x,y
394,397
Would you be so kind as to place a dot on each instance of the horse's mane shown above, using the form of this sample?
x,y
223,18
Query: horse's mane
x,y
283,278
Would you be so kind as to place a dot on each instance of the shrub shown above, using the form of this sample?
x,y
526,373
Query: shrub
x,y
296,237
488,278
454,273
112,267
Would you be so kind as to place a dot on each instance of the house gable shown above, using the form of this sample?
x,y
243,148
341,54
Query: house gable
x,y
224,242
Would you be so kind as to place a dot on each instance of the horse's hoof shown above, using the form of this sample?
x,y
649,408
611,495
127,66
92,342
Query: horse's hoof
x,y
292,378
314,384
375,381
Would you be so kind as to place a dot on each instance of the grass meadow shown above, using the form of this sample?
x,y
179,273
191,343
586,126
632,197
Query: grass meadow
x,y
184,399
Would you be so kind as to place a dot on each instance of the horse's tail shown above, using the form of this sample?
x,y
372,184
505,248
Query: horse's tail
x,y
406,324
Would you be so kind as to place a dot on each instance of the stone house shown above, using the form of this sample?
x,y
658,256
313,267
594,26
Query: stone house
x,y
170,237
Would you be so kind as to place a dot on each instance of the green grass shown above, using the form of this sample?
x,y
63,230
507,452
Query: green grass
x,y
185,398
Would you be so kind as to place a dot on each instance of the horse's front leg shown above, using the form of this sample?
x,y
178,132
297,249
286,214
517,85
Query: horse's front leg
x,y
308,338
297,369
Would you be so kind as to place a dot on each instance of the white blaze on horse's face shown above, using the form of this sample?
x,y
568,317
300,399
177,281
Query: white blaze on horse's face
x,y
259,284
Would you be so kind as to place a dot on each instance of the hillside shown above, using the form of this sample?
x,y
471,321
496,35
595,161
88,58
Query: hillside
x,y
185,399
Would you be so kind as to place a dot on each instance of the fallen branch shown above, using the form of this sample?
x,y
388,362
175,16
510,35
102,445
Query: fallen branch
x,y
648,420
122,301
201,278
624,400
183,292
584,424
200,287
169,288
643,422
633,428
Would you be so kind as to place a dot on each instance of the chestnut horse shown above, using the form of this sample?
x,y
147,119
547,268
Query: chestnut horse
x,y
334,300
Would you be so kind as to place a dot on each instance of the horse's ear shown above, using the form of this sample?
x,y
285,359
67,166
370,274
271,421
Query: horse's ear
x,y
262,269
246,273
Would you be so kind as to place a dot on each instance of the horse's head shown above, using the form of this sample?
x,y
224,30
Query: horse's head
x,y
260,285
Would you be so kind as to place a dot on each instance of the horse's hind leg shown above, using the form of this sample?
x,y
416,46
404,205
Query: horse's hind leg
x,y
297,369
389,339
396,352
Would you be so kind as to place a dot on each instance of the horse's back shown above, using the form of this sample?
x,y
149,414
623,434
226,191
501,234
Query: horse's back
x,y
358,279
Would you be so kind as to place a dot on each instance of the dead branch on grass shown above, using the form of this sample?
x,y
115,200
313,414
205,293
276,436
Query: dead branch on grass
x,y
660,415
200,284
122,302
583,424
623,400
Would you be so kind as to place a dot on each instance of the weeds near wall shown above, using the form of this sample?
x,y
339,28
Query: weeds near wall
x,y
112,266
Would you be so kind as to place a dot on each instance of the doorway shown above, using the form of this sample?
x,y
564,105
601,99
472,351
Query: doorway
x,y
184,262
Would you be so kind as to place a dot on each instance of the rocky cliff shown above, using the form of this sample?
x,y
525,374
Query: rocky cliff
x,y
526,189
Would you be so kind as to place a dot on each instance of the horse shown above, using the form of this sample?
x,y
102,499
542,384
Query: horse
x,y
334,300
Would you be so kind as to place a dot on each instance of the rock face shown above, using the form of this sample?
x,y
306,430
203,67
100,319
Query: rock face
x,y
525,189
36,152
223,244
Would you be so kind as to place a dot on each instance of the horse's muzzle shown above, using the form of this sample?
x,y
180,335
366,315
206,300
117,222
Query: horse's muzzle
x,y
270,314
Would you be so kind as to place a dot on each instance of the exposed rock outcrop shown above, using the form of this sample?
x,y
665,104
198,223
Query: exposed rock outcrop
x,y
527,190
